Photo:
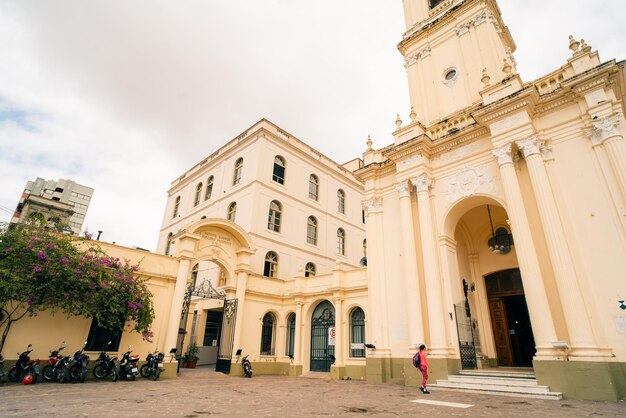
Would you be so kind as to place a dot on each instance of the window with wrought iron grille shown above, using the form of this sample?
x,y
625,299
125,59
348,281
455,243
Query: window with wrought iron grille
x,y
168,244
278,174
237,171
341,201
314,187
270,269
209,188
311,230
232,211
357,333
274,216
309,270
267,335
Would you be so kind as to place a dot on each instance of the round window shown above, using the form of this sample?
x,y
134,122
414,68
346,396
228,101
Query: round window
x,y
450,74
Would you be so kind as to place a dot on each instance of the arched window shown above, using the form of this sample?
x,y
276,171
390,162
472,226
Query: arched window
x,y
341,241
278,175
291,334
209,188
267,335
314,187
232,211
237,171
168,243
196,200
270,269
176,206
194,275
341,201
311,230
309,270
273,219
357,333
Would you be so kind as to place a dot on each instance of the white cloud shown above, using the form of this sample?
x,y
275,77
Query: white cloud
x,y
124,96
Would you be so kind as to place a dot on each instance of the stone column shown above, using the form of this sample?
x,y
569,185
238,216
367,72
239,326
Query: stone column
x,y
340,344
413,303
177,304
605,133
536,297
434,299
242,282
297,346
576,315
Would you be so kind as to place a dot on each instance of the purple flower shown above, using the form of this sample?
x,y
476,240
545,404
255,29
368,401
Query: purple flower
x,y
29,302
8,250
93,274
64,260
41,255
35,239
37,269
51,246
104,285
132,305
139,305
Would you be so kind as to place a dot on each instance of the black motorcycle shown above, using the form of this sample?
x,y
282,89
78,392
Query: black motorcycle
x,y
62,368
78,369
49,371
107,366
25,369
153,366
128,366
247,367
2,373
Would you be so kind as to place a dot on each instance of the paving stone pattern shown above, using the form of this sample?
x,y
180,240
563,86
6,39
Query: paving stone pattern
x,y
206,393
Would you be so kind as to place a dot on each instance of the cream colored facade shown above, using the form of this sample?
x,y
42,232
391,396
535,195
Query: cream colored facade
x,y
481,152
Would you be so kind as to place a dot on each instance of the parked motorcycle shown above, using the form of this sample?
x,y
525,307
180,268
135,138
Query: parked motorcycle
x,y
153,366
2,373
107,366
25,370
49,370
78,369
247,367
62,368
128,366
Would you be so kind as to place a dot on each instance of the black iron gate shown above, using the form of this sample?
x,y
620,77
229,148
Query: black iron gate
x,y
465,332
322,354
227,336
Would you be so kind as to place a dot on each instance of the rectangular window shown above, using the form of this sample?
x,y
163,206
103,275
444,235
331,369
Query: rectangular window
x,y
98,338
212,328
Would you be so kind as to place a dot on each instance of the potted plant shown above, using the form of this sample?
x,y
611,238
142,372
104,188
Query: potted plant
x,y
190,358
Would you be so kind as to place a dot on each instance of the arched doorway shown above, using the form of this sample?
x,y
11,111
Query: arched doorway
x,y
322,346
513,334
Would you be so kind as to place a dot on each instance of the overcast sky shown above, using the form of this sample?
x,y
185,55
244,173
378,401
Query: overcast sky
x,y
124,96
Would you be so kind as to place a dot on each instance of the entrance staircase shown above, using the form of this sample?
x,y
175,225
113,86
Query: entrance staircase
x,y
498,382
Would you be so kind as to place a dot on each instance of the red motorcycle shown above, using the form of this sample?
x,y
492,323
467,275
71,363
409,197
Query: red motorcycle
x,y
25,369
49,370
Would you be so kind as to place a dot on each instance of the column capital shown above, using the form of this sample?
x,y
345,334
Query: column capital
x,y
529,146
604,128
503,154
422,182
374,205
404,188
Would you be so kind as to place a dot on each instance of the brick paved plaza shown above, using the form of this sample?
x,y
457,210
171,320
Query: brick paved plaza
x,y
202,393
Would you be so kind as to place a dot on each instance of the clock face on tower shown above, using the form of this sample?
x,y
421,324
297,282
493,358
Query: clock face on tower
x,y
434,3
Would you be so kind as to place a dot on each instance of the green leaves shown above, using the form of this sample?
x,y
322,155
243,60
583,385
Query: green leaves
x,y
42,270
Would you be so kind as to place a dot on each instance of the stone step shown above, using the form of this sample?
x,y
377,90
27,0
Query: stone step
x,y
495,373
487,380
540,392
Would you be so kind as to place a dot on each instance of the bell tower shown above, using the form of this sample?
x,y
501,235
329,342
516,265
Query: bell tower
x,y
453,49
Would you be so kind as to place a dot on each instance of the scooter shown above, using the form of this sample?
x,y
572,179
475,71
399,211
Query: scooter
x,y
128,366
247,367
25,369
49,370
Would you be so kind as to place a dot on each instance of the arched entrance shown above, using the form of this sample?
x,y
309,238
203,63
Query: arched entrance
x,y
513,334
322,345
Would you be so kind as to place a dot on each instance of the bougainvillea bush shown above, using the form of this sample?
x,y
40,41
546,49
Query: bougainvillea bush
x,y
44,270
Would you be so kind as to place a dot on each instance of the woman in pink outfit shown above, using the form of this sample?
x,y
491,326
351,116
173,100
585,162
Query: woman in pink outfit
x,y
424,368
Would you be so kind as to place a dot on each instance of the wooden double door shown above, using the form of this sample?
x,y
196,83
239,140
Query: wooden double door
x,y
513,335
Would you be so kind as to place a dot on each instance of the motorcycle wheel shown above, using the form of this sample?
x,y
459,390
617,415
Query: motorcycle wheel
x,y
83,374
13,375
75,372
34,378
144,370
156,374
114,375
48,373
100,371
